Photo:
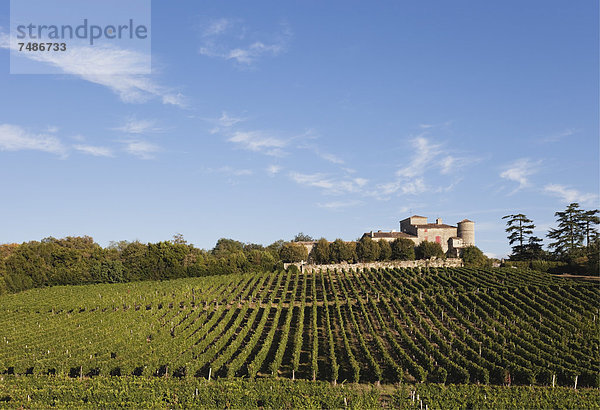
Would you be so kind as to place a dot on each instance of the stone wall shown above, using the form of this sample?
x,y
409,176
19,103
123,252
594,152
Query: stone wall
x,y
423,263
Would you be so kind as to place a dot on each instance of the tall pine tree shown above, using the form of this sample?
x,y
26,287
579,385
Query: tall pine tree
x,y
520,229
570,234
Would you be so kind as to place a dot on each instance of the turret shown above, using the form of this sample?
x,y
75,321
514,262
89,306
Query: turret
x,y
466,231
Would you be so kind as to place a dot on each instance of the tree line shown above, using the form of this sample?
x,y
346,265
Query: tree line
x,y
574,244
368,250
80,260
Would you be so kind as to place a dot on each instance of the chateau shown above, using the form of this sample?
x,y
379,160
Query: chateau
x,y
416,228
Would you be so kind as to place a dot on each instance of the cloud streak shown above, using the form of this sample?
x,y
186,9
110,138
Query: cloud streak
x,y
330,185
141,149
519,171
95,151
229,39
335,205
570,195
258,141
427,156
112,67
135,126
15,138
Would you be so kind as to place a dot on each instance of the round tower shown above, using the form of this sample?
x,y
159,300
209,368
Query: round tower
x,y
466,231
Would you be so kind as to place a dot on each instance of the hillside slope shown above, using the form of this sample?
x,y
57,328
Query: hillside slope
x,y
452,325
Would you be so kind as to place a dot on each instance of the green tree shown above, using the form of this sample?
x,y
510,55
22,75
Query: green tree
x,y
320,252
403,249
179,239
352,249
301,237
426,250
519,229
590,222
385,250
225,247
367,250
135,262
533,249
275,248
293,252
260,260
167,260
570,234
473,257
340,251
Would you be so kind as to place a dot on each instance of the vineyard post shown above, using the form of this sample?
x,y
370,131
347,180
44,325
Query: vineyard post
x,y
553,379
345,403
209,372
576,377
293,374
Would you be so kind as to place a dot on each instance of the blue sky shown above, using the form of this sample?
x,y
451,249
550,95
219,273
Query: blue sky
x,y
262,119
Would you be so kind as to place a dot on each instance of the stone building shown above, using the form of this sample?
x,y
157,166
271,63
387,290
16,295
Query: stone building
x,y
416,228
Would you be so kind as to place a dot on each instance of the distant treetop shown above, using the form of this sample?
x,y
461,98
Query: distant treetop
x,y
301,237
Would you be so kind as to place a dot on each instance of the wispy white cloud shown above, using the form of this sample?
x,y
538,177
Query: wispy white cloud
x,y
559,135
229,39
427,156
405,186
224,123
274,169
226,120
305,141
451,163
227,170
258,141
334,205
94,150
314,180
15,138
136,126
334,159
141,149
444,124
422,159
217,26
251,53
520,170
112,67
570,195
330,185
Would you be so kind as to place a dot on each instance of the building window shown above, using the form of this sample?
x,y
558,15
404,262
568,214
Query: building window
x,y
425,229
438,239
426,238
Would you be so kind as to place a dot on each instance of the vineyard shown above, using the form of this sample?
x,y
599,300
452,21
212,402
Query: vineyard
x,y
434,325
